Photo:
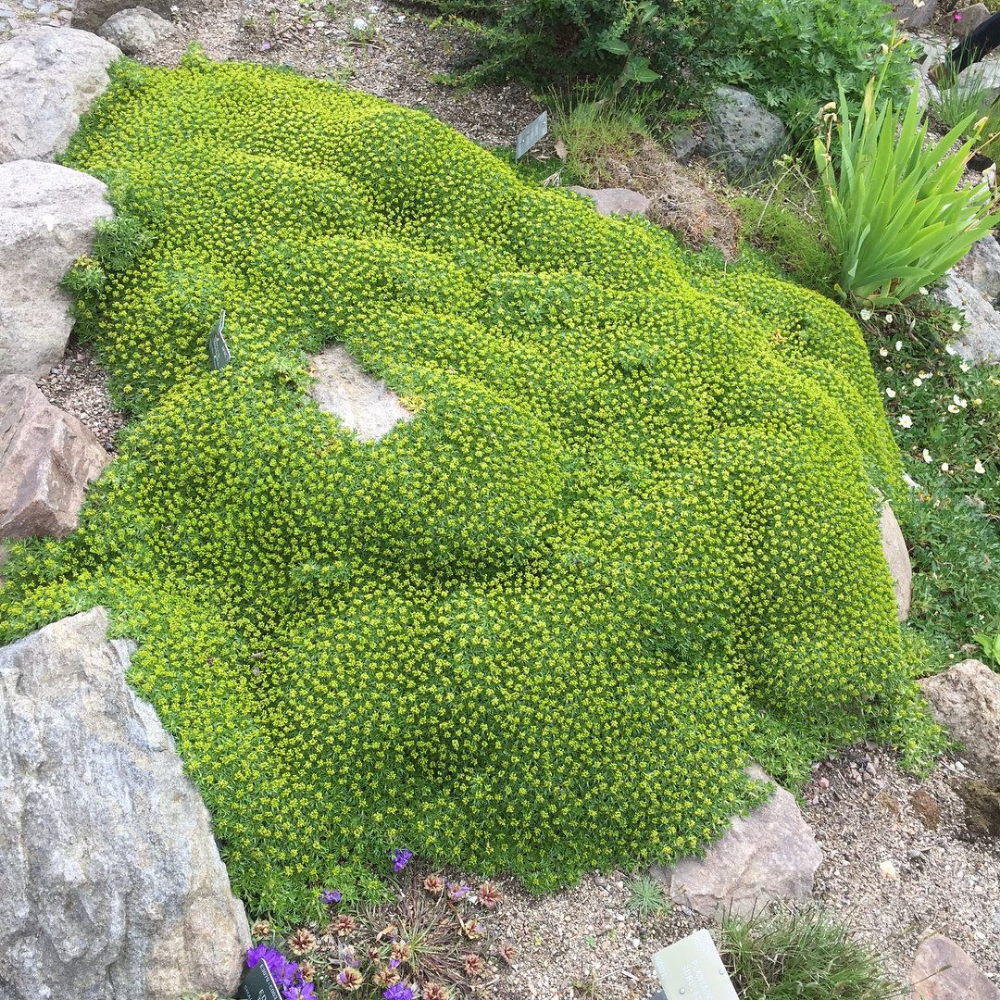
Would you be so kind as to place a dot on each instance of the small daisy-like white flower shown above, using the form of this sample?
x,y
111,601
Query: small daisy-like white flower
x,y
918,381
884,352
891,393
865,314
926,455
889,317
952,408
965,366
979,467
360,24
944,466
906,420
950,350
960,402
899,345
956,327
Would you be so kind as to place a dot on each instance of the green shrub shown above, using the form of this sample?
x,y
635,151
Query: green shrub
x,y
803,955
791,54
632,524
894,209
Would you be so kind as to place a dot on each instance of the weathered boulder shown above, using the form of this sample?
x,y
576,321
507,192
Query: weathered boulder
x,y
136,30
615,201
111,886
898,558
979,341
47,458
48,216
47,80
771,854
980,267
967,19
742,138
966,699
362,404
914,13
943,971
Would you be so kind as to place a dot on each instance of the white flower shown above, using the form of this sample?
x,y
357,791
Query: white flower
x,y
956,327
918,381
960,402
965,366
899,345
359,24
923,291
888,317
944,466
905,420
883,352
866,314
951,350
979,467
927,455
952,408
891,393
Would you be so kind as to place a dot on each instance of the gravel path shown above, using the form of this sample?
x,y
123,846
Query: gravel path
x,y
18,13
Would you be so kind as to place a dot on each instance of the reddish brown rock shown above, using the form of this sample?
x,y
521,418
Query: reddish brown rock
x,y
966,699
942,971
47,458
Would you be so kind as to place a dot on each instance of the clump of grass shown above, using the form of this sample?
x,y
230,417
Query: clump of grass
x,y
960,99
598,132
801,955
647,898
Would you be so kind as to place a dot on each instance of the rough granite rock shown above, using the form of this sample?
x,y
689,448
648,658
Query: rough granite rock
x,y
914,13
743,138
47,80
47,458
615,201
966,699
898,558
771,854
89,15
48,216
136,30
980,267
972,17
362,404
943,971
111,886
979,341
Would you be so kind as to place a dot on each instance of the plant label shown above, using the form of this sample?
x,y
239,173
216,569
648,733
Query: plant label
x,y
691,969
218,349
531,133
258,984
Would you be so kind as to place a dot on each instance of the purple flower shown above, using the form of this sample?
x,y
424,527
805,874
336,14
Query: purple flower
x,y
304,992
254,955
330,896
283,971
393,963
457,892
958,16
398,992
400,857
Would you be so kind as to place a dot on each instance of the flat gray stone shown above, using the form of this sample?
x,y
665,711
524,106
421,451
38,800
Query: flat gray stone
x,y
362,404
943,971
615,201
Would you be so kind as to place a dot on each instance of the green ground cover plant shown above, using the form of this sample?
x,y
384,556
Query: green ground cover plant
x,y
629,539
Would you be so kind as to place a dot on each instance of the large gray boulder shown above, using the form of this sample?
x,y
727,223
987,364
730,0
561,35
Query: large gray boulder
x,y
47,458
742,138
943,971
361,403
979,341
136,30
914,13
769,855
48,216
111,886
966,699
980,267
47,80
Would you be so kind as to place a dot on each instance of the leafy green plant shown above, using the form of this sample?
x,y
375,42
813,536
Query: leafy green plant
x,y
894,209
961,101
801,955
990,645
647,898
